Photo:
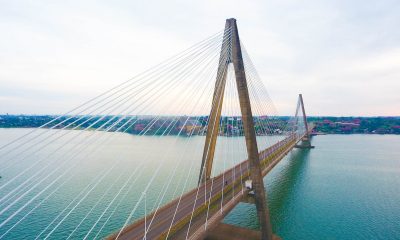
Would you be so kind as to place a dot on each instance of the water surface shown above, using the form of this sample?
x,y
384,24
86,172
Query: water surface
x,y
345,188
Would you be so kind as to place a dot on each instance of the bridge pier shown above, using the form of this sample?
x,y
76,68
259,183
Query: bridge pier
x,y
248,199
235,57
260,197
305,143
306,140
228,231
192,216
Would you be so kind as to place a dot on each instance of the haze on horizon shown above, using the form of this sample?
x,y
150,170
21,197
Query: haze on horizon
x,y
343,56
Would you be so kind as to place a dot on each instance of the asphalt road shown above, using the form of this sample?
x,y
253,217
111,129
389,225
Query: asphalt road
x,y
159,222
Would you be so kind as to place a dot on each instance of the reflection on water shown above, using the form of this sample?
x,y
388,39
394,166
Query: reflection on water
x,y
75,185
279,183
347,186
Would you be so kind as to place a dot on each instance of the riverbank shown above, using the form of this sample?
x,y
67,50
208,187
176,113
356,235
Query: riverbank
x,y
231,126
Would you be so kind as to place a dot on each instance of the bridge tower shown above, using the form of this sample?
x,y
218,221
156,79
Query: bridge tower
x,y
306,140
235,57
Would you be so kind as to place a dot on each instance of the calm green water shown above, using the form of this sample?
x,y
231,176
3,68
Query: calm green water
x,y
348,187
345,188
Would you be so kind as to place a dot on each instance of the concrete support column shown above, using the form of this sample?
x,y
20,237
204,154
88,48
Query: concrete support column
x,y
235,56
216,108
250,135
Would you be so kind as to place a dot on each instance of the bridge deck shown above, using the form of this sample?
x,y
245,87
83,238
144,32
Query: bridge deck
x,y
224,190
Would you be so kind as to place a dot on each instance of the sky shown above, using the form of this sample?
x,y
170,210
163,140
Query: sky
x,y
343,56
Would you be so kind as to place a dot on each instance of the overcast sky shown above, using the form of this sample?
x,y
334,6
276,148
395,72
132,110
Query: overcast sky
x,y
344,56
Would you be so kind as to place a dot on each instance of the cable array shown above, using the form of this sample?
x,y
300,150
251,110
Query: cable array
x,y
127,152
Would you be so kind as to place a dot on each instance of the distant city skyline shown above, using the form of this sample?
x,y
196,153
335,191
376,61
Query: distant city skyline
x,y
343,56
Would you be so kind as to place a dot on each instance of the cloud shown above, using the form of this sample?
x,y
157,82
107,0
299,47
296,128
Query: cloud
x,y
342,55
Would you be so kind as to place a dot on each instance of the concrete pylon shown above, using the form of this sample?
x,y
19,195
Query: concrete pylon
x,y
235,56
304,115
306,139
216,108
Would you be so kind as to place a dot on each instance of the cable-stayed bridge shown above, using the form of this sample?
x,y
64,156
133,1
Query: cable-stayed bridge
x,y
210,92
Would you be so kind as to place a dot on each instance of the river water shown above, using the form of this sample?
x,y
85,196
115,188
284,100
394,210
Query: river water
x,y
348,187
